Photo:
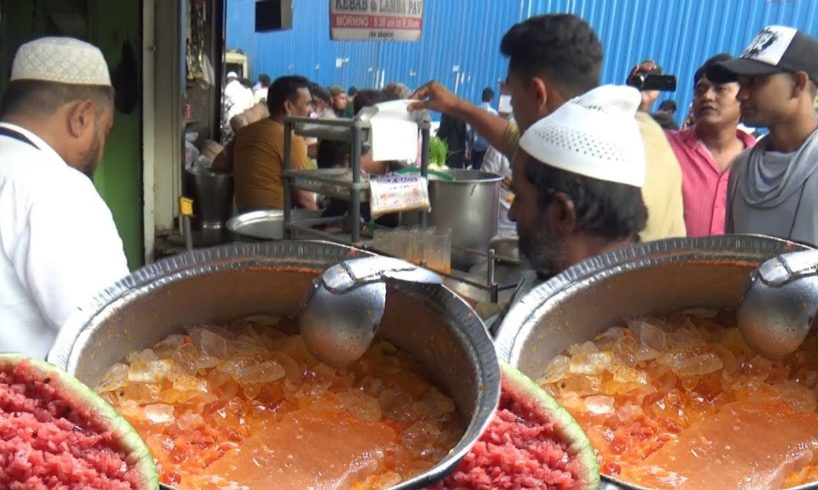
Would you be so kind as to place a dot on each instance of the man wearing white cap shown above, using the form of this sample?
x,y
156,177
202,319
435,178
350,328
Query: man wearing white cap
x,y
773,187
58,242
578,186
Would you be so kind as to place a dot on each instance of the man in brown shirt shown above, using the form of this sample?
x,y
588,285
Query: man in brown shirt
x,y
256,154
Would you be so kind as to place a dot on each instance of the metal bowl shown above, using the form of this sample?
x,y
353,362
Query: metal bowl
x,y
444,335
266,224
653,277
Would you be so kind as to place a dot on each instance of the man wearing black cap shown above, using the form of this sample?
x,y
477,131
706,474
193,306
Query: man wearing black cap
x,y
773,186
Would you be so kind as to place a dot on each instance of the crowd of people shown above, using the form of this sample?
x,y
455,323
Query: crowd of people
x,y
587,167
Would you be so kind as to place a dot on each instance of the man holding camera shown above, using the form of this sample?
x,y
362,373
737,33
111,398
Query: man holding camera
x,y
706,150
773,187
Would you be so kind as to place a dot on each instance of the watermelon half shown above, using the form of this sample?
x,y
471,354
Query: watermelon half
x,y
531,442
55,432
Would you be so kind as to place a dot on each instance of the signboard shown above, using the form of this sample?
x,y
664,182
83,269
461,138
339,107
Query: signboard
x,y
375,20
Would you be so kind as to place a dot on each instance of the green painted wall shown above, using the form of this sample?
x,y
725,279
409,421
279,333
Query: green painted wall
x,y
110,23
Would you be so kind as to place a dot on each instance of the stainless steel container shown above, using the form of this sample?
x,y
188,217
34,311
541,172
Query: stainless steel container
x,y
266,224
430,322
662,276
212,195
469,206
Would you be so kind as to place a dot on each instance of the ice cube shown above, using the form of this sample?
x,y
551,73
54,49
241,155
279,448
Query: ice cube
x,y
629,412
594,363
420,438
623,374
190,421
139,393
687,364
625,351
609,337
149,372
650,335
251,390
158,413
798,397
184,382
236,366
185,359
146,355
264,372
212,344
360,404
129,409
599,404
584,348
166,348
556,369
115,378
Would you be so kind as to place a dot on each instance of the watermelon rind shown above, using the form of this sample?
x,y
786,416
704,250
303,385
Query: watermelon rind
x,y
578,444
77,393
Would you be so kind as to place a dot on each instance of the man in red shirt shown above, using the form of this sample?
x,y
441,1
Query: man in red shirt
x,y
706,151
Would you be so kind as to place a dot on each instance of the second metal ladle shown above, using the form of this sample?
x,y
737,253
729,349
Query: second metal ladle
x,y
779,303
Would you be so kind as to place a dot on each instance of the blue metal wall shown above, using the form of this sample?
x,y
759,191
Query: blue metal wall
x,y
460,42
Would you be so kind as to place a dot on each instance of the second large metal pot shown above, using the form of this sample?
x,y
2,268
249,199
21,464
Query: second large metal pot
x,y
468,205
430,322
654,277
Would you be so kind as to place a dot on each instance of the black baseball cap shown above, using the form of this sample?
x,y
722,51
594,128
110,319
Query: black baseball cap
x,y
775,49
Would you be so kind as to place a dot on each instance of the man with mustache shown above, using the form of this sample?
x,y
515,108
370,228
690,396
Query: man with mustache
x,y
707,150
773,187
58,242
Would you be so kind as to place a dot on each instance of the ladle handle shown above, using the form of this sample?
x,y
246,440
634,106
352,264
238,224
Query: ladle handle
x,y
354,273
788,267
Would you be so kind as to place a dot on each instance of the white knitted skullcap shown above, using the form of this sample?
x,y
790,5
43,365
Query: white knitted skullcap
x,y
61,59
232,74
595,135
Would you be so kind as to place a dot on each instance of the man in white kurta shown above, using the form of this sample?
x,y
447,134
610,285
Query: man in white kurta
x,y
58,243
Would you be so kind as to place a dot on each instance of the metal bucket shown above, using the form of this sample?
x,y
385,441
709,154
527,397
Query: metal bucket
x,y
654,277
215,285
212,195
469,206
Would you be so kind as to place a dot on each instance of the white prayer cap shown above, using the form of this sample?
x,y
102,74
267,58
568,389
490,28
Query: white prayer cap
x,y
595,135
61,59
232,74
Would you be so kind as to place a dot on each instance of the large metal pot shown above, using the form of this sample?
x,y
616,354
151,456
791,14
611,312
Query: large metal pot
x,y
662,276
468,205
444,335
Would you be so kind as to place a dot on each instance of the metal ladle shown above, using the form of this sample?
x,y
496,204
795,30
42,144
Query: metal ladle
x,y
779,303
346,305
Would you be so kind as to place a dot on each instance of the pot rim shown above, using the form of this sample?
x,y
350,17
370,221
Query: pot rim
x,y
523,316
299,255
732,249
483,178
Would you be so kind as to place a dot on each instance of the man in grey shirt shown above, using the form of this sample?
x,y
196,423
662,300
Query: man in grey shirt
x,y
773,187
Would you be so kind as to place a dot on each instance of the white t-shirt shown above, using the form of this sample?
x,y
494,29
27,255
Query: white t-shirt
x,y
59,245
494,162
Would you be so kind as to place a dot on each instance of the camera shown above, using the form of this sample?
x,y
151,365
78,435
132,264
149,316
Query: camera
x,y
652,81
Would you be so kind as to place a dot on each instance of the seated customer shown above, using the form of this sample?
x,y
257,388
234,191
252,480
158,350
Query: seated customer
x,y
256,154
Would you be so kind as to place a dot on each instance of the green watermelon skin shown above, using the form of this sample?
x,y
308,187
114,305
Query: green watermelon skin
x,y
52,400
532,442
